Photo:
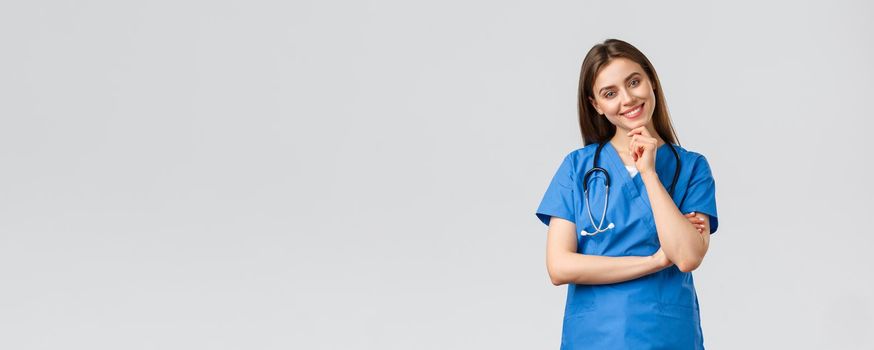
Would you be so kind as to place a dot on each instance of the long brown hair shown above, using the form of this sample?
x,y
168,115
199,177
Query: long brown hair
x,y
594,127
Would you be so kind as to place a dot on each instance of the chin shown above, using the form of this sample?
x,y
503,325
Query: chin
x,y
638,123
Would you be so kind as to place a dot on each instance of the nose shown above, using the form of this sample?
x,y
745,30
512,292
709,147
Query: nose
x,y
627,100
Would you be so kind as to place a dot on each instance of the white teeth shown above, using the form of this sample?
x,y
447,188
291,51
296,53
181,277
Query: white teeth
x,y
634,110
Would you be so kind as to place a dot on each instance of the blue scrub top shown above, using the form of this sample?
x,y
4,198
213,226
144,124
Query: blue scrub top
x,y
656,311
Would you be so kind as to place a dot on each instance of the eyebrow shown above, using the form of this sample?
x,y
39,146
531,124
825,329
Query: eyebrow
x,y
626,79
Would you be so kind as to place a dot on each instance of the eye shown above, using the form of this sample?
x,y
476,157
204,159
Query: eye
x,y
609,94
634,82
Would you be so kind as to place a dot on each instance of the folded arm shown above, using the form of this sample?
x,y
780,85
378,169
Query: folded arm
x,y
565,265
681,240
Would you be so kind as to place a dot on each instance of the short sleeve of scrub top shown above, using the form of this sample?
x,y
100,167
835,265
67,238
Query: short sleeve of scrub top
x,y
701,194
558,200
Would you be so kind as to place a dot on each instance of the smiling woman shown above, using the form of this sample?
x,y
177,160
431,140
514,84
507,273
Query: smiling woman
x,y
630,281
615,67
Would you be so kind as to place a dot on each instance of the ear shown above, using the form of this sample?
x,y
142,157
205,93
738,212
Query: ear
x,y
595,104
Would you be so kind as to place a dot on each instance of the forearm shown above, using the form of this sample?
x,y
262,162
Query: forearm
x,y
679,238
595,269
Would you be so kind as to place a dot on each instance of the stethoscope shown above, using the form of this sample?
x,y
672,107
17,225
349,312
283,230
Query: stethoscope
x,y
596,168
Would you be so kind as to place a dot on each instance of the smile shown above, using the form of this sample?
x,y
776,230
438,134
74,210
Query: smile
x,y
634,113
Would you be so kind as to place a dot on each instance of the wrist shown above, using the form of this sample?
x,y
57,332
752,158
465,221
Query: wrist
x,y
653,262
647,175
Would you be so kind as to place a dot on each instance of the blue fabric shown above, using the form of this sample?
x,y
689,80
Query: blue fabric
x,y
559,198
701,194
657,311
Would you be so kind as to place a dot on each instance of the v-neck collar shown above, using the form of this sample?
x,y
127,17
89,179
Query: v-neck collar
x,y
634,186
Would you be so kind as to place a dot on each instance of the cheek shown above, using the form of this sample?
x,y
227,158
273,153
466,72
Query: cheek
x,y
611,108
645,92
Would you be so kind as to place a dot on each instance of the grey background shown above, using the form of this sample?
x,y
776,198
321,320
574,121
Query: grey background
x,y
364,174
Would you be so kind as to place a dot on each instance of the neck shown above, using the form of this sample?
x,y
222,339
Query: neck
x,y
620,139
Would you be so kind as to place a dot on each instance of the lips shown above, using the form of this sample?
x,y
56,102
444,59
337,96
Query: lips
x,y
634,112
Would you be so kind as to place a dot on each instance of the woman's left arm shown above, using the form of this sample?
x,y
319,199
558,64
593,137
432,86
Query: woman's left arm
x,y
681,241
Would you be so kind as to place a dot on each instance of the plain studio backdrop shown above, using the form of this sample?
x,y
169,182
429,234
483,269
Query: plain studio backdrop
x,y
364,174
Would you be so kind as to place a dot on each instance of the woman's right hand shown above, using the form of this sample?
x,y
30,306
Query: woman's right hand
x,y
661,259
696,221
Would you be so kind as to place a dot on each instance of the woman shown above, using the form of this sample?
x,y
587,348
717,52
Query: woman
x,y
627,258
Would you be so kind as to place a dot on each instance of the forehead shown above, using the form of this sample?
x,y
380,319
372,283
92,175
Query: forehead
x,y
615,72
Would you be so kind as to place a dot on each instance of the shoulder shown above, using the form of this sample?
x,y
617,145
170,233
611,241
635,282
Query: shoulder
x,y
687,154
577,158
691,159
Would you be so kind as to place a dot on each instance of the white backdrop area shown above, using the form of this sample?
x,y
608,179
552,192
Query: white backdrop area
x,y
364,174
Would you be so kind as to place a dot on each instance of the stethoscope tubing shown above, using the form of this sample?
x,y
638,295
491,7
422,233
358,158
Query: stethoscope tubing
x,y
596,168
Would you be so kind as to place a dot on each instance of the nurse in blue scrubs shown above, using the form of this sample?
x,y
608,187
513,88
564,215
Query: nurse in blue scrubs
x,y
629,286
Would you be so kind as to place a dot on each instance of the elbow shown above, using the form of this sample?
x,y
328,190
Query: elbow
x,y
557,281
555,274
688,265
687,261
555,277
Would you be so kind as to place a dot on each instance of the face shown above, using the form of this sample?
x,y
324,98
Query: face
x,y
624,94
